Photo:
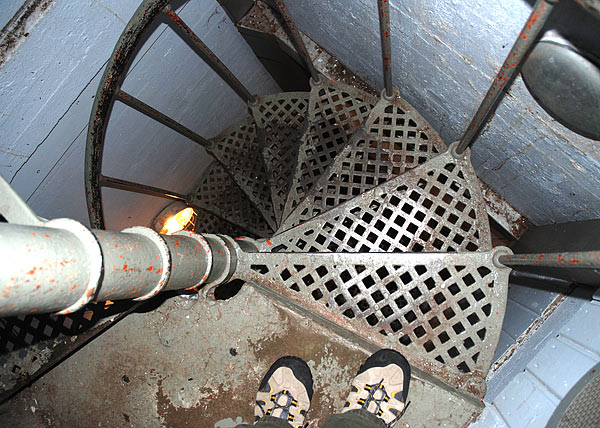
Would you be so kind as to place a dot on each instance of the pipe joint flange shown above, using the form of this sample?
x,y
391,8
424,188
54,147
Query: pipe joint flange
x,y
165,257
206,247
499,252
318,81
453,151
253,103
95,260
385,96
221,263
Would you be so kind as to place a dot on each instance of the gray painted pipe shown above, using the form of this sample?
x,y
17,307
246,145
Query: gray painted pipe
x,y
61,266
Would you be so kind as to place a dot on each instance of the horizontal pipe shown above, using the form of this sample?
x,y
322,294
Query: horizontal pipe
x,y
151,112
530,32
62,266
209,57
117,183
571,259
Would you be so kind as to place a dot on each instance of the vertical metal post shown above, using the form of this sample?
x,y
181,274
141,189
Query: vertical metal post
x,y
530,32
386,45
297,39
209,57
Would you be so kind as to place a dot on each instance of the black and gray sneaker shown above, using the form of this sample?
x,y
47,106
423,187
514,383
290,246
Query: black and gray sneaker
x,y
381,386
285,391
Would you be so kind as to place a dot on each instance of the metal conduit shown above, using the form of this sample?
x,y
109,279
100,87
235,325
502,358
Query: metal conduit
x,y
386,45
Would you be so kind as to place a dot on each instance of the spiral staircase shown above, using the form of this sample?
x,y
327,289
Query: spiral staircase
x,y
356,211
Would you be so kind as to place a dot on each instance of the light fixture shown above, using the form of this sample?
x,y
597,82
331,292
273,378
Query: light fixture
x,y
173,218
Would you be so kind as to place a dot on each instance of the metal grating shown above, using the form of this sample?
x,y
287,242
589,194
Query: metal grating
x,y
219,195
437,206
281,119
444,311
29,343
209,223
240,152
335,112
395,138
584,412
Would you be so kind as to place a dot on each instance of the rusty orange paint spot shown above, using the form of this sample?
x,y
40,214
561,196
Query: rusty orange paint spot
x,y
117,245
575,261
47,235
269,242
124,267
33,233
74,287
150,268
34,310
38,286
177,243
31,272
159,271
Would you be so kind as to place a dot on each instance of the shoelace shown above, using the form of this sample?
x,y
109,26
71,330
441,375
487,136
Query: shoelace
x,y
372,389
285,408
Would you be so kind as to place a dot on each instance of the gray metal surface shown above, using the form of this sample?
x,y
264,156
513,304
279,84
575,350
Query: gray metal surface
x,y
567,86
584,411
443,311
210,223
281,119
436,206
335,112
219,195
239,150
395,138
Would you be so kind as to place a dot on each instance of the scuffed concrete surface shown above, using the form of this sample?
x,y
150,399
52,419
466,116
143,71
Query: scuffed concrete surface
x,y
198,364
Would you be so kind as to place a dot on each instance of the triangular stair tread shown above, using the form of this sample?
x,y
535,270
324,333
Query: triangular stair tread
x,y
238,149
281,118
395,138
444,311
437,206
335,111
221,196
207,222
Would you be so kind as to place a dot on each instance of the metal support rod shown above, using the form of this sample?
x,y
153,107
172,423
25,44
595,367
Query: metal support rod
x,y
144,108
386,45
209,57
297,39
63,266
117,183
530,32
574,259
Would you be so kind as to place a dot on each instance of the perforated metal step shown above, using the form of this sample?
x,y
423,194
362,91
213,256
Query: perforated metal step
x,y
444,311
239,151
335,112
281,119
437,206
219,195
395,138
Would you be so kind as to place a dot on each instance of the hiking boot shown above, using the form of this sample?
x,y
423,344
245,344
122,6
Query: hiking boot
x,y
285,391
381,386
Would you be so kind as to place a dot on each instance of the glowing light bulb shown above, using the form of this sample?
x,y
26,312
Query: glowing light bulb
x,y
178,222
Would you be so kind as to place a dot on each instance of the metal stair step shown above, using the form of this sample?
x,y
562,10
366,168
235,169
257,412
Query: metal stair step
x,y
335,111
394,138
220,195
444,311
437,206
281,119
239,151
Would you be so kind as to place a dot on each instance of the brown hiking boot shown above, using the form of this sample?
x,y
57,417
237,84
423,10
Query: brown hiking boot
x,y
381,386
285,391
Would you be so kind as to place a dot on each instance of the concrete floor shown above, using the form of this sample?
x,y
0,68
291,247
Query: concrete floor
x,y
198,363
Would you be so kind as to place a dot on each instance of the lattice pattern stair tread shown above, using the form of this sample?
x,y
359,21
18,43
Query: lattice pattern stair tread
x,y
238,149
281,118
437,206
220,195
335,112
444,311
395,138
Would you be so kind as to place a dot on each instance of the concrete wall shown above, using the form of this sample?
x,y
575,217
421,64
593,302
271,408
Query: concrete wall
x,y
46,94
445,55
